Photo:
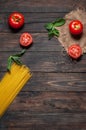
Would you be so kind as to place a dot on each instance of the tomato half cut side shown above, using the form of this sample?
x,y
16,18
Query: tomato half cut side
x,y
75,51
26,39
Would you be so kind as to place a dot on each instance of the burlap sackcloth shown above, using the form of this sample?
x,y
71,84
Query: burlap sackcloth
x,y
65,38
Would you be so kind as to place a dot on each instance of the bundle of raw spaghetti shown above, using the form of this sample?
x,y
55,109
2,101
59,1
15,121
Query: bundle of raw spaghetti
x,y
11,84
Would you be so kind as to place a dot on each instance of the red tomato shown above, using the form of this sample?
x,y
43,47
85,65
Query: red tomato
x,y
16,20
26,39
75,51
76,27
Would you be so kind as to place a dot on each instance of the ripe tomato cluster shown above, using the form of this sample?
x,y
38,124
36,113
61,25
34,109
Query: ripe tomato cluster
x,y
76,29
16,21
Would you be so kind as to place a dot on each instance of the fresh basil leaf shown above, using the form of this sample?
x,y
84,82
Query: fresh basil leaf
x,y
49,26
9,63
21,53
15,58
59,22
17,61
52,31
56,32
50,34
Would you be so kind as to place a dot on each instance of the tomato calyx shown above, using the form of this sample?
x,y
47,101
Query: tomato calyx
x,y
77,27
16,19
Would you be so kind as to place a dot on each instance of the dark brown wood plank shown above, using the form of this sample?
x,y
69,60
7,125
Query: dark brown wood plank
x,y
51,126
57,120
34,22
34,17
47,62
31,27
39,3
40,6
49,102
10,42
58,82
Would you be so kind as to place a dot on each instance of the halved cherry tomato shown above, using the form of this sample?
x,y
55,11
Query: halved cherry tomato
x,y
75,51
26,39
16,20
75,27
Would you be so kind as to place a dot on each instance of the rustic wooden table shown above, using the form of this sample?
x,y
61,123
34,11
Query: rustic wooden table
x,y
55,96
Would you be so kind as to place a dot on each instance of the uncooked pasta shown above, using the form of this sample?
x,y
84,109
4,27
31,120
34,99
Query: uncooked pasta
x,y
11,84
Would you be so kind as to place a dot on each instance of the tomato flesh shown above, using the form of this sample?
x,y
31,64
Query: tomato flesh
x,y
75,27
26,39
16,20
75,51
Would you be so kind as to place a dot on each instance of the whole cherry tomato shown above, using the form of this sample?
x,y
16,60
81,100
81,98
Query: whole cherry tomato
x,y
26,39
16,20
75,27
75,51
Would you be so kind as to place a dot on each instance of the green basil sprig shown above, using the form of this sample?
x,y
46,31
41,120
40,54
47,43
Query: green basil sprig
x,y
15,58
52,31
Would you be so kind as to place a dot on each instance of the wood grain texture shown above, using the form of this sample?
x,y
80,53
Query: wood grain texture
x,y
50,121
58,82
47,62
40,6
40,43
49,102
55,96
